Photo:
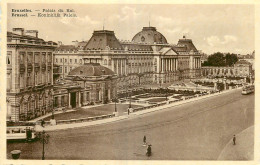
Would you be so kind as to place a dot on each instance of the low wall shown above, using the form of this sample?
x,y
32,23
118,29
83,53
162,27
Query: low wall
x,y
58,122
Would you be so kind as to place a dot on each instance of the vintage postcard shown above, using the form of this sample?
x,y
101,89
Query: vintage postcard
x,y
121,81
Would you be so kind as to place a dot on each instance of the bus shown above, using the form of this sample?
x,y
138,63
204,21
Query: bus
x,y
20,131
248,89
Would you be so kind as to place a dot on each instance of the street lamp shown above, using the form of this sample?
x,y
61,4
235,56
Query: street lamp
x,y
130,98
52,113
166,94
115,100
44,138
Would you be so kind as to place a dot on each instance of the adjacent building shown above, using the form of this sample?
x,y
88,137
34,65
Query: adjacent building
x,y
29,63
242,68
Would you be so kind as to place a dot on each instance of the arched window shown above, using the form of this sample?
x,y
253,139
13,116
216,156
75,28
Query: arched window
x,y
105,62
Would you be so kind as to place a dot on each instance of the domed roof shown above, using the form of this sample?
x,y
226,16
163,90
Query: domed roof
x,y
149,35
91,69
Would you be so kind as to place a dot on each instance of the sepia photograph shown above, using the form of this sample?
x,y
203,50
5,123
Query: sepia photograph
x,y
130,81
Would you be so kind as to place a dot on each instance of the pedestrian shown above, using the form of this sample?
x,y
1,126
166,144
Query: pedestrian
x,y
144,140
27,134
149,150
42,123
128,111
234,140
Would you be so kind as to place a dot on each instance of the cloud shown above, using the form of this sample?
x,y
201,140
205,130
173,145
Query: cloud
x,y
215,40
78,21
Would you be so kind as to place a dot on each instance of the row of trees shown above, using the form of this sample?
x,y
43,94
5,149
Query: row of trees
x,y
219,59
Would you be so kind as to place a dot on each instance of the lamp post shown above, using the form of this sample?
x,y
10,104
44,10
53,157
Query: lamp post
x,y
166,94
44,138
130,98
115,100
52,113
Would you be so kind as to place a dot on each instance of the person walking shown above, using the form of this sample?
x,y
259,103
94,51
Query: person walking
x,y
42,123
234,140
144,140
149,150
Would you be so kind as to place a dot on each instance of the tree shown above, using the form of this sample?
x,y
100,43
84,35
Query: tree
x,y
231,59
216,59
219,59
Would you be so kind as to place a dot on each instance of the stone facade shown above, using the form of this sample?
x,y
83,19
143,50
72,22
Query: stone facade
x,y
29,75
85,85
147,59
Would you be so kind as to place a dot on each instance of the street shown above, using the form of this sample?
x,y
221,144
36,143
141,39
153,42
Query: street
x,y
194,131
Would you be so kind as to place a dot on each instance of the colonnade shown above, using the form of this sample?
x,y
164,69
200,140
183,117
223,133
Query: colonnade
x,y
119,66
196,63
168,64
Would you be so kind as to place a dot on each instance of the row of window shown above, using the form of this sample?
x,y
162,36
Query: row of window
x,y
30,57
61,60
66,69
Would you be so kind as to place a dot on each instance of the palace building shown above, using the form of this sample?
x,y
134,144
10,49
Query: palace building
x,y
29,63
147,59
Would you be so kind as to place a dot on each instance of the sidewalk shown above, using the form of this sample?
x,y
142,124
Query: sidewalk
x,y
244,148
134,114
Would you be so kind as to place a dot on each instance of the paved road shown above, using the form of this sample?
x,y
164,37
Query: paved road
x,y
194,131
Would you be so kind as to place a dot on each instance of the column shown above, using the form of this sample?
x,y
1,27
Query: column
x,y
176,64
126,67
59,101
168,63
84,98
79,99
69,100
112,65
162,61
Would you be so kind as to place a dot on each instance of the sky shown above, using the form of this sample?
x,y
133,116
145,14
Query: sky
x,y
212,28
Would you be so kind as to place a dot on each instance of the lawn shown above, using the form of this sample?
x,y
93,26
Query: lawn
x,y
156,100
91,112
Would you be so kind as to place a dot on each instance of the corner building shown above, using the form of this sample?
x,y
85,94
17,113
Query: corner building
x,y
29,63
147,59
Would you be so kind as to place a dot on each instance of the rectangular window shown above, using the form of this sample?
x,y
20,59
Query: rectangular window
x,y
9,58
80,61
49,56
76,60
65,60
70,60
37,57
43,57
60,69
29,57
22,55
62,101
55,102
65,69
61,60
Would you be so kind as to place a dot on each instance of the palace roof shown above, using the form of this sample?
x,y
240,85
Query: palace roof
x,y
149,35
103,39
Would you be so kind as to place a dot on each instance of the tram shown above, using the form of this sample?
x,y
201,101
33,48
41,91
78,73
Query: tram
x,y
248,89
22,131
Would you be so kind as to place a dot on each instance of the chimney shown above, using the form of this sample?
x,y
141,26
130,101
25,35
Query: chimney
x,y
76,43
19,30
33,31
59,43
